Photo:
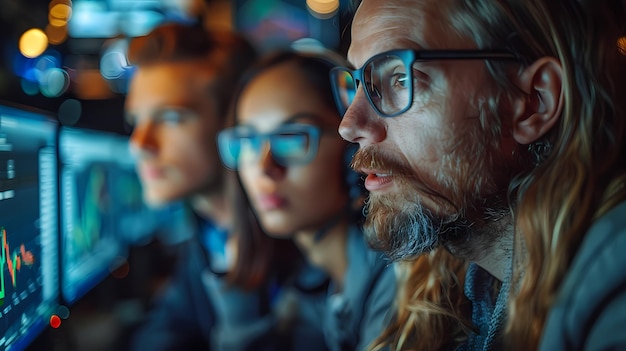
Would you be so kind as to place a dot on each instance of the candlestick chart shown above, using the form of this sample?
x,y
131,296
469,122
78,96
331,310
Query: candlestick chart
x,y
12,261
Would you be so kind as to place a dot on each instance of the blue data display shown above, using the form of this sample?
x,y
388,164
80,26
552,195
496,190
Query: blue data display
x,y
28,226
90,207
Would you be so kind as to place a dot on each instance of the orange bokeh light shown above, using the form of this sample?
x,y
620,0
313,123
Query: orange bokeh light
x,y
33,42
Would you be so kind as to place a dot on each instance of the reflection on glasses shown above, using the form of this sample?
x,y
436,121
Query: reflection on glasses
x,y
290,144
388,78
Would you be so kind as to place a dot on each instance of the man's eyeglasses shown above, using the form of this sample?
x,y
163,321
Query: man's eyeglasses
x,y
388,77
290,144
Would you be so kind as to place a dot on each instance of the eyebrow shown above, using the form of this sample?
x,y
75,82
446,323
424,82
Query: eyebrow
x,y
294,119
299,116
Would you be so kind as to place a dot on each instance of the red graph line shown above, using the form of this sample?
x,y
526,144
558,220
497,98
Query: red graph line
x,y
15,263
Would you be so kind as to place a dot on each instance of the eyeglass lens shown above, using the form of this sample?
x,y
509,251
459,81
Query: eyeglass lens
x,y
288,147
386,82
285,147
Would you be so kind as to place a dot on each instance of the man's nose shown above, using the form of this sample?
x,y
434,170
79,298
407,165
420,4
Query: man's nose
x,y
361,124
143,138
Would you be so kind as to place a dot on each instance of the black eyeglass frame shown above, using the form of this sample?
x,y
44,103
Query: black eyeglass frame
x,y
408,57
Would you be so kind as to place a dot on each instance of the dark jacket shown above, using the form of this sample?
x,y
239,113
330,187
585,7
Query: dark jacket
x,y
199,311
590,310
183,315
352,319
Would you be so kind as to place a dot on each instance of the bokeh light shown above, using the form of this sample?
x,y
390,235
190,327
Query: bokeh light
x,y
322,8
120,267
113,63
63,312
33,42
54,82
29,87
70,111
621,45
55,321
59,14
42,65
42,74
56,34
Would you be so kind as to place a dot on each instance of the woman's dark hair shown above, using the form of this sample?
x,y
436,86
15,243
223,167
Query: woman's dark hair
x,y
314,67
259,256
315,70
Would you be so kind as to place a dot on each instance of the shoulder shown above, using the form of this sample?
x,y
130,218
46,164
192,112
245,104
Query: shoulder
x,y
592,299
360,252
368,267
370,273
601,257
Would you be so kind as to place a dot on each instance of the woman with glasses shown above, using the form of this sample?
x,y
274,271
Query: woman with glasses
x,y
294,167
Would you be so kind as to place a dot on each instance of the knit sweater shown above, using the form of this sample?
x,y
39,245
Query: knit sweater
x,y
488,309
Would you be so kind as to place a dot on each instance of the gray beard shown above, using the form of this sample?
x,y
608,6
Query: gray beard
x,y
400,234
406,233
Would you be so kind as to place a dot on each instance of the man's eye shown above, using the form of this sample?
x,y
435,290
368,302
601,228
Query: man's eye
x,y
169,116
399,80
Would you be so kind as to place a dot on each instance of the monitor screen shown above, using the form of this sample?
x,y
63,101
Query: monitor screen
x,y
135,222
28,225
96,189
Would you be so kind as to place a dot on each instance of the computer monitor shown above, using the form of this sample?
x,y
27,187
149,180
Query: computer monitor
x,y
95,192
29,286
136,223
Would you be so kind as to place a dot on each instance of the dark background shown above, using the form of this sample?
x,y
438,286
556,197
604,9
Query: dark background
x,y
105,317
102,107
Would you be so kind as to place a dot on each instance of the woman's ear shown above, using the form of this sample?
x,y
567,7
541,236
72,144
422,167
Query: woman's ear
x,y
536,112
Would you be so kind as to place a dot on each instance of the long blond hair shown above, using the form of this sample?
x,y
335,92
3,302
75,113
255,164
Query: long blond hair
x,y
579,170
431,308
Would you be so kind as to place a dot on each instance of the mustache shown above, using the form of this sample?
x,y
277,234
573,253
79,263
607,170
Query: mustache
x,y
375,159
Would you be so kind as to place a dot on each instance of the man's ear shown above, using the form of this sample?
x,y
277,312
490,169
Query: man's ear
x,y
540,108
